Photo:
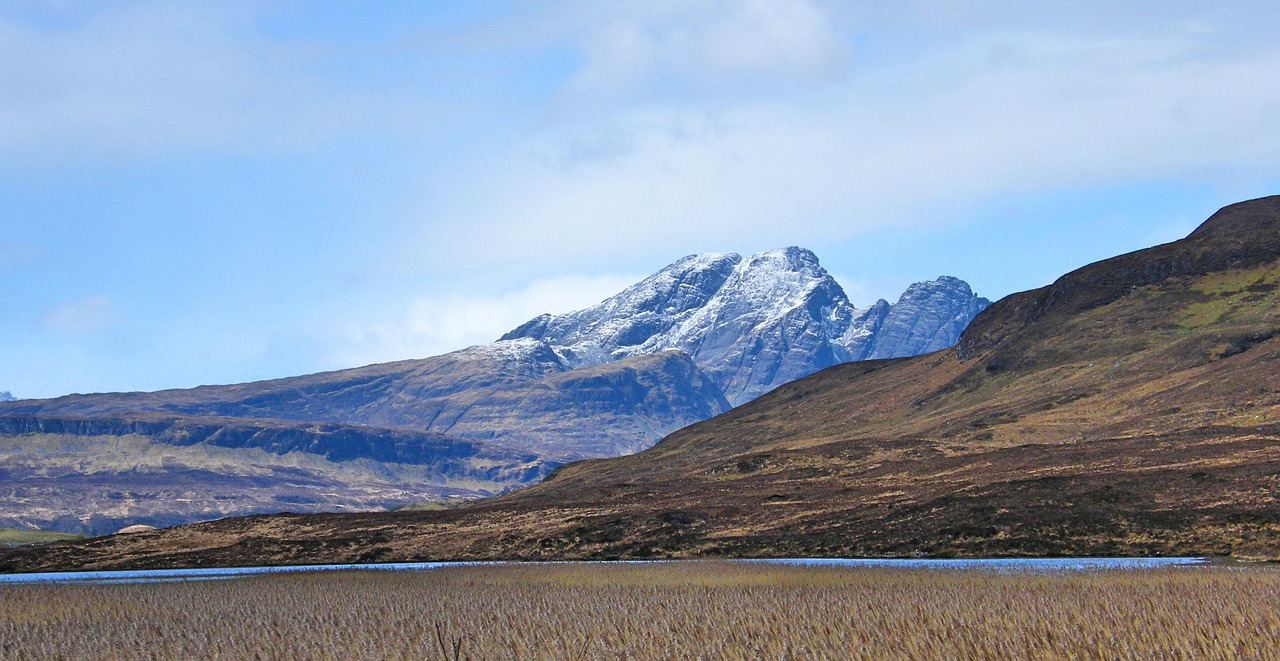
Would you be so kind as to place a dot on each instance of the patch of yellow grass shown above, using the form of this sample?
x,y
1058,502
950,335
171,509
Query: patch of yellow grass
x,y
1227,291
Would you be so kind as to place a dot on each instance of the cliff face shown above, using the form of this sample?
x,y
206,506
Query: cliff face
x,y
929,317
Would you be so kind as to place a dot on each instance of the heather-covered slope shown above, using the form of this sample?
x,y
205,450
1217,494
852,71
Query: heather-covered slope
x,y
1132,407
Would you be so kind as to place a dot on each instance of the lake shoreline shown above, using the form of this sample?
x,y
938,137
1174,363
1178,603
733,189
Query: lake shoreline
x,y
957,564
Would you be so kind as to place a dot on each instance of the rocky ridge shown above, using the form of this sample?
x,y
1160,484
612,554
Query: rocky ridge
x,y
752,324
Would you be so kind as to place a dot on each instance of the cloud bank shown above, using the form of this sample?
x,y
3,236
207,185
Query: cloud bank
x,y
771,120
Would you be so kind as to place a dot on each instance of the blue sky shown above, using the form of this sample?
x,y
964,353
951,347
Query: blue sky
x,y
219,192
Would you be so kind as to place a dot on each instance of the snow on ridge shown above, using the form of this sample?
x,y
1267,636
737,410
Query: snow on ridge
x,y
760,292
754,323
520,349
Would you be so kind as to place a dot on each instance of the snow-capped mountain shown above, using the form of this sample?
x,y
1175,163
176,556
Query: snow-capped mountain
x,y
683,345
6,396
754,323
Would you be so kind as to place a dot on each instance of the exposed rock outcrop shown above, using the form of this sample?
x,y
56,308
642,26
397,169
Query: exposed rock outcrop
x,y
752,324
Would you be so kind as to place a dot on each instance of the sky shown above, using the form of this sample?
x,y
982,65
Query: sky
x,y
195,193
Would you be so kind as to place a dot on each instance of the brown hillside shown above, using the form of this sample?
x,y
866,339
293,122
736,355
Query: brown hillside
x,y
1132,407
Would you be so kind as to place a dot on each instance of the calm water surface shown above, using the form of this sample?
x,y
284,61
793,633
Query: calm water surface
x,y
1010,565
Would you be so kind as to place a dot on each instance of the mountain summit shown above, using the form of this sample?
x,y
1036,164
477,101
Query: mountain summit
x,y
752,324
1131,408
704,334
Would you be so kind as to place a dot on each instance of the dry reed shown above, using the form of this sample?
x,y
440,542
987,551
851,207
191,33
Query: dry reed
x,y
703,610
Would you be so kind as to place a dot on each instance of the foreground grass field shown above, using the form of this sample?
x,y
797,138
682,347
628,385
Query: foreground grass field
x,y
702,610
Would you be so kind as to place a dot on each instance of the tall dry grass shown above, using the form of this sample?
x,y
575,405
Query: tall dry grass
x,y
703,610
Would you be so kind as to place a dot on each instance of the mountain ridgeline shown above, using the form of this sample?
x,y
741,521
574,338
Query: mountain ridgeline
x,y
1130,408
752,324
704,334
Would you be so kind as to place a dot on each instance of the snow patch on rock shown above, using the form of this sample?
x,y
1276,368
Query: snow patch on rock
x,y
754,323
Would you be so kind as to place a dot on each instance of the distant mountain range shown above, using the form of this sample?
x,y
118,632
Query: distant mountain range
x,y
1130,408
6,396
706,333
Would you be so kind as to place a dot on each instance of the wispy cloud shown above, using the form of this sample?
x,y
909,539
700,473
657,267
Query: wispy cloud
x,y
918,134
101,83
436,324
18,254
214,149
704,49
89,315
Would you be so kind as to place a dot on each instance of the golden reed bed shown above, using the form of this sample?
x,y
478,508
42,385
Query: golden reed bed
x,y
700,610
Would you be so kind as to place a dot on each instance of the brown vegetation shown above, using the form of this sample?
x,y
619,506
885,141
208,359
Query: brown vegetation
x,y
701,610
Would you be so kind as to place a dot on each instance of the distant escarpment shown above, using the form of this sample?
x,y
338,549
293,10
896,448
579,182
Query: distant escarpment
x,y
1130,408
704,334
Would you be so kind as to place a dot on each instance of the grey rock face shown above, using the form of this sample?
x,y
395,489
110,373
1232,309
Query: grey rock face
x,y
930,316
596,411
637,319
752,324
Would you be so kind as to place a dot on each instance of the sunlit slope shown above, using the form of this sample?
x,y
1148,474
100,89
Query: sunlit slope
x,y
1132,407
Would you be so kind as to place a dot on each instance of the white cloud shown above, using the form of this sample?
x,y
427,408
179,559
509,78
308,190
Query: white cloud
x,y
18,254
438,324
89,315
105,83
957,123
705,48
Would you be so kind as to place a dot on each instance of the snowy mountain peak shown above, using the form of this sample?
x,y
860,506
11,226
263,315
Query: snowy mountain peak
x,y
636,314
6,396
751,324
792,258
